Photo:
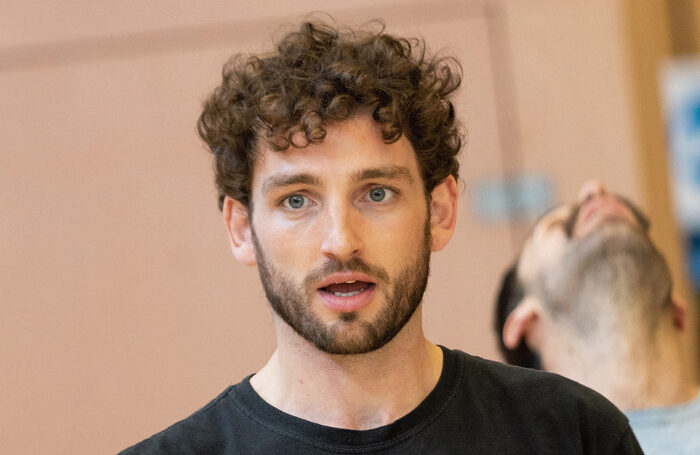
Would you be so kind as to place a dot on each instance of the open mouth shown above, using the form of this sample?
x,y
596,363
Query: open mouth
x,y
347,288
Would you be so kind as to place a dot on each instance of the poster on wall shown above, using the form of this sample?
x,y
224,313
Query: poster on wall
x,y
680,83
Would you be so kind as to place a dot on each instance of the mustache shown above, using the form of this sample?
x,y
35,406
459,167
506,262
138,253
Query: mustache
x,y
353,265
639,216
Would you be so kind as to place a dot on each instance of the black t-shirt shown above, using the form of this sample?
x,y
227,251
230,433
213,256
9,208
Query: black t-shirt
x,y
477,407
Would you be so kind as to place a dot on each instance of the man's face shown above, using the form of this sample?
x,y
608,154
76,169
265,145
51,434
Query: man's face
x,y
342,236
594,208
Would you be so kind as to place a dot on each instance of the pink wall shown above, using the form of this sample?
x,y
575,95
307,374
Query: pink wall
x,y
122,309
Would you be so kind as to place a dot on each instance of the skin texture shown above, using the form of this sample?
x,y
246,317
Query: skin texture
x,y
339,220
317,215
349,333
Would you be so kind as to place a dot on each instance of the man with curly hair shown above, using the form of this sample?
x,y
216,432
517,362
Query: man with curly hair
x,y
336,164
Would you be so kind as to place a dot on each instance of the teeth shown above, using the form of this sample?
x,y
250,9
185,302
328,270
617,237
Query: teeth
x,y
346,294
350,282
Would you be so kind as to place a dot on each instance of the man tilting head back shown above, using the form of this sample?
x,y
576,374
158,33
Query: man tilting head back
x,y
594,302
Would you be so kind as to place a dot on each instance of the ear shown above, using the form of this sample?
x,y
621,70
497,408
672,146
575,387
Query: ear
x,y
680,312
521,324
239,231
443,213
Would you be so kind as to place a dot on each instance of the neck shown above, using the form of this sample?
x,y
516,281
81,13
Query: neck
x,y
356,392
632,370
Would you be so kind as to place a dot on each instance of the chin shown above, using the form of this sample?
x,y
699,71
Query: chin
x,y
351,336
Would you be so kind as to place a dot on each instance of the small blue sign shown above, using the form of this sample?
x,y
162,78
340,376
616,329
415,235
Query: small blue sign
x,y
524,196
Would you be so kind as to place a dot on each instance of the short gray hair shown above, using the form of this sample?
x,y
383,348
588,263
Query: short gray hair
x,y
614,278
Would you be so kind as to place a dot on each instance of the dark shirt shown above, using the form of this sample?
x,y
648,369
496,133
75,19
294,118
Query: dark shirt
x,y
477,407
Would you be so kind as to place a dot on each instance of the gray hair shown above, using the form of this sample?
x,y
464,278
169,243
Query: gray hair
x,y
614,279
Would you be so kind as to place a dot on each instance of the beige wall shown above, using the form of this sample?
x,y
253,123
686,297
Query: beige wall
x,y
122,309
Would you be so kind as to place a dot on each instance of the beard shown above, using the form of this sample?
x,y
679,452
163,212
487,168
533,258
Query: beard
x,y
348,334
611,281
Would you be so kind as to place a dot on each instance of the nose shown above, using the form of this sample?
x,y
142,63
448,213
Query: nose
x,y
591,188
341,239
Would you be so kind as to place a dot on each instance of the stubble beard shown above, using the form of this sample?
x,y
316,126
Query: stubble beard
x,y
614,271
348,334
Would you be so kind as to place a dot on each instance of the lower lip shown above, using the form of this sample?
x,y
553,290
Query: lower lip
x,y
347,304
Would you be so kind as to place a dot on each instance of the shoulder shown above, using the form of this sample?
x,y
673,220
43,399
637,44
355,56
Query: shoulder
x,y
662,428
540,403
196,433
528,385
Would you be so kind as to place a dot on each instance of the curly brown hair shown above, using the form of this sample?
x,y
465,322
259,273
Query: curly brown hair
x,y
320,75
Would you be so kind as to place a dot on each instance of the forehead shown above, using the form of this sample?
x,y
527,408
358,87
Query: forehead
x,y
349,147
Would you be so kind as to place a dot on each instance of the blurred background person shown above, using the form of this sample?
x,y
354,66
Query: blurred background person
x,y
590,297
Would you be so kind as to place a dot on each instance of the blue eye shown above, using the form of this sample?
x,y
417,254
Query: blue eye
x,y
380,194
294,201
377,194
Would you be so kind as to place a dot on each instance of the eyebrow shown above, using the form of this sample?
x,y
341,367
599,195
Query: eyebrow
x,y
277,181
387,172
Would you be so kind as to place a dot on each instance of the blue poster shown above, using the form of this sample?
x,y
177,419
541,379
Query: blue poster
x,y
681,90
